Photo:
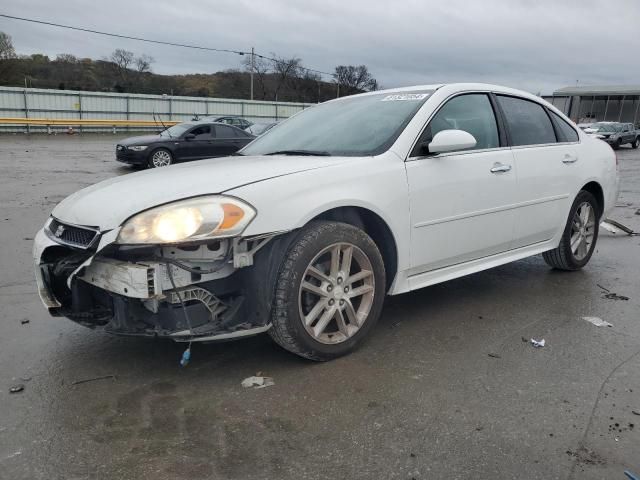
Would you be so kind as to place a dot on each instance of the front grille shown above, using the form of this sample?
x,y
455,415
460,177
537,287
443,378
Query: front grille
x,y
72,235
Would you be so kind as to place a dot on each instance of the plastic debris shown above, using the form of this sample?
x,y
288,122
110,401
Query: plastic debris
x,y
16,388
598,322
186,356
631,475
616,228
257,382
635,412
537,343
24,321
615,296
494,355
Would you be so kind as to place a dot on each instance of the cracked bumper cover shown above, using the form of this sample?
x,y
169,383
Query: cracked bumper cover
x,y
134,297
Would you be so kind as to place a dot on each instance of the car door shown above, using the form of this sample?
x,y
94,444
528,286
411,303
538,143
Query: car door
x,y
195,143
461,201
546,164
228,140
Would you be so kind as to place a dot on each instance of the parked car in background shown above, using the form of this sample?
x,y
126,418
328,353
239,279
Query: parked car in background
x,y
615,134
182,142
239,122
306,230
584,126
258,129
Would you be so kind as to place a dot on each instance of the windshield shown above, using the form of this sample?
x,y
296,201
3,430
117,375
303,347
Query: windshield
x,y
605,127
176,130
354,126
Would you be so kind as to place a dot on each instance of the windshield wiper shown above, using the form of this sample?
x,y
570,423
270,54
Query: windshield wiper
x,y
314,153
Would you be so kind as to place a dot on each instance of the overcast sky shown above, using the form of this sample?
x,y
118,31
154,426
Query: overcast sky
x,y
536,45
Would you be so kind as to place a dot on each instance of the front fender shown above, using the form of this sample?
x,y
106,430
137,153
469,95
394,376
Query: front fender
x,y
377,184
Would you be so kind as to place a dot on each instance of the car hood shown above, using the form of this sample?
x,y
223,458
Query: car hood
x,y
107,204
141,140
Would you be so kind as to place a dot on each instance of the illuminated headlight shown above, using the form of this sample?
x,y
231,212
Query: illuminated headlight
x,y
137,148
189,220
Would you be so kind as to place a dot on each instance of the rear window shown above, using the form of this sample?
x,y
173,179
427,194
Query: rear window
x,y
567,131
528,122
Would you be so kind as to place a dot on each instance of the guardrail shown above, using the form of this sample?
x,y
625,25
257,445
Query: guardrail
x,y
70,123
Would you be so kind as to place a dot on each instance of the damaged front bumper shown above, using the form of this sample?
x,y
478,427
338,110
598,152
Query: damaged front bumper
x,y
211,291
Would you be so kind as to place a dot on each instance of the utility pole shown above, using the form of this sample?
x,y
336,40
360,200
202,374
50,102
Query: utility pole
x,y
252,69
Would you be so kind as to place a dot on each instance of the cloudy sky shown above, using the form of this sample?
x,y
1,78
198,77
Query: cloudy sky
x,y
536,45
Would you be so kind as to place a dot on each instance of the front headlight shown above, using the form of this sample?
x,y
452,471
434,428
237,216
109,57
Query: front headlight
x,y
137,148
189,220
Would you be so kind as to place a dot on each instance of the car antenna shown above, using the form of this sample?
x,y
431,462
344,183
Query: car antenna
x,y
161,123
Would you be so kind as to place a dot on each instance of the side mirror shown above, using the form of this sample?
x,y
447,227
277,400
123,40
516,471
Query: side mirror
x,y
451,141
189,136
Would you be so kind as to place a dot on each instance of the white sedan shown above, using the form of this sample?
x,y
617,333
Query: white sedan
x,y
304,232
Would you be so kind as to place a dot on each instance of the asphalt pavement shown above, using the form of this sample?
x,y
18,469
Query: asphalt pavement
x,y
448,385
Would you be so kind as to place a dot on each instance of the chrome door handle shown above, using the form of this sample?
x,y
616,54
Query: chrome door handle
x,y
568,158
500,168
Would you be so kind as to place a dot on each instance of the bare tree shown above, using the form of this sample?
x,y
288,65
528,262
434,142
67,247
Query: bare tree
x,y
123,60
143,63
354,79
66,58
6,47
261,68
285,69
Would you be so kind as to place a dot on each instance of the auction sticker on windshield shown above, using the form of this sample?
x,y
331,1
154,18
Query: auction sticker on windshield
x,y
405,96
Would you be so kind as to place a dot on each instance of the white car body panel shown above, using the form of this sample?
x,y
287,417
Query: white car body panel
x,y
447,220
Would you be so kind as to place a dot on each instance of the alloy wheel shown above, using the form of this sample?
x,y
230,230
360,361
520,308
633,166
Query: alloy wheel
x,y
582,230
336,293
161,158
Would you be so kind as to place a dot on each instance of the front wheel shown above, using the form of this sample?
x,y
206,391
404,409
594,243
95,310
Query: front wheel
x,y
635,143
329,291
579,236
160,158
617,144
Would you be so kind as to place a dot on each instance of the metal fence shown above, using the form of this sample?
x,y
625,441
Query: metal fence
x,y
76,105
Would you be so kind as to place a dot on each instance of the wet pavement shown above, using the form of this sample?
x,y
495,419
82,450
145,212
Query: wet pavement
x,y
444,388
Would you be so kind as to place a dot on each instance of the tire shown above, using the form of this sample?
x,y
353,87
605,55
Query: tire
x,y
161,157
327,335
564,257
618,144
635,143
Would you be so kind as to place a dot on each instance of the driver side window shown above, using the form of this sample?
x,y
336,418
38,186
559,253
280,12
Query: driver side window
x,y
203,132
472,113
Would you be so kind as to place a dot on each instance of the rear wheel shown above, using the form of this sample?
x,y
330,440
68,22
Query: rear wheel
x,y
160,158
635,143
329,291
579,236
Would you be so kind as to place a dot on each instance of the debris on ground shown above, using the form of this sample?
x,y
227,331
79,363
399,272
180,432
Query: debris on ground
x,y
86,380
603,288
631,475
524,339
24,321
598,322
614,296
494,355
635,412
257,382
16,388
537,343
616,228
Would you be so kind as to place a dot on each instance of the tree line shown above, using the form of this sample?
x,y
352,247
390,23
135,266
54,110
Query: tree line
x,y
275,78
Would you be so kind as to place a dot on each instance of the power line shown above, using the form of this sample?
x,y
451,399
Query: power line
x,y
159,42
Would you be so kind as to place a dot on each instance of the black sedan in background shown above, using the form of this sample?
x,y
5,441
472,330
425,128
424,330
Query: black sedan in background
x,y
182,142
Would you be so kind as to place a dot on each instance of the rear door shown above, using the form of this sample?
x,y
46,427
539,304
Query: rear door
x,y
460,202
228,140
546,163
